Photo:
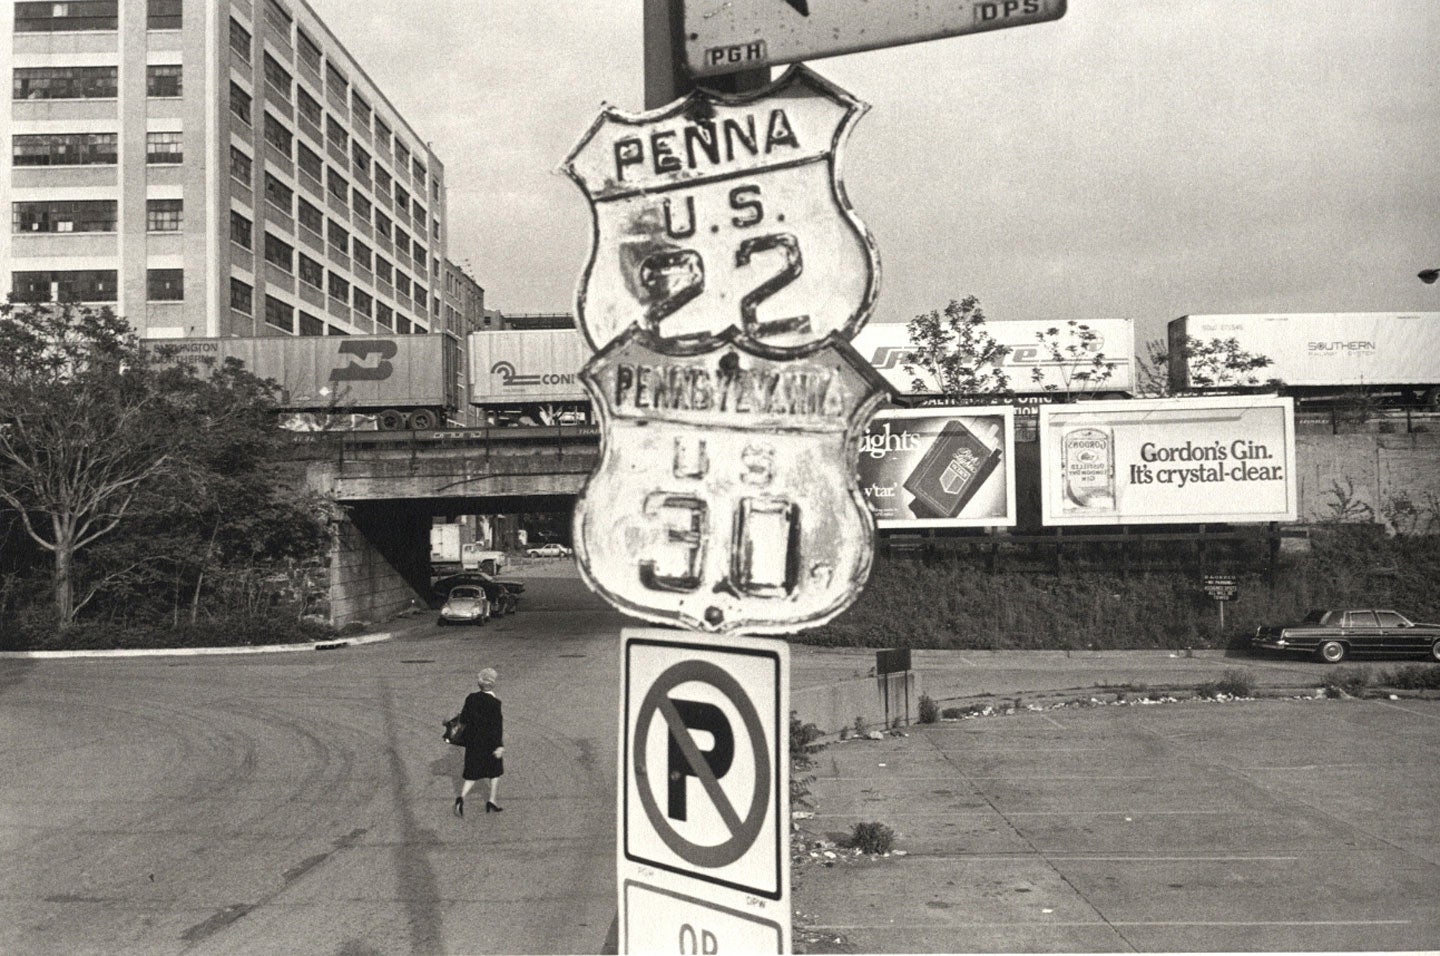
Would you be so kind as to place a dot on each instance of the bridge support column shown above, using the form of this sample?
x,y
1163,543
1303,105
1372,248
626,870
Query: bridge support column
x,y
379,562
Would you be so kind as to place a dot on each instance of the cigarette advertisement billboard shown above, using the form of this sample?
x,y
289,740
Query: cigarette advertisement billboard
x,y
1168,461
940,468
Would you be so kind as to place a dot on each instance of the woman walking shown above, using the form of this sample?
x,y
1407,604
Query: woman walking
x,y
484,741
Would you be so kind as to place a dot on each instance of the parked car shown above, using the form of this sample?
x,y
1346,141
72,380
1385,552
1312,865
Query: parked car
x,y
466,604
549,551
504,596
1333,635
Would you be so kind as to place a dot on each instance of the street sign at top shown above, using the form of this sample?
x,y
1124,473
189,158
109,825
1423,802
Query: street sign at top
x,y
724,36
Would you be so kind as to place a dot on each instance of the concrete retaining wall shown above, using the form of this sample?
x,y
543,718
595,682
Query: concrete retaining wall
x,y
1376,469
833,706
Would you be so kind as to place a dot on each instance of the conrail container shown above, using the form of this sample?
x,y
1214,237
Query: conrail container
x,y
529,376
1317,355
405,381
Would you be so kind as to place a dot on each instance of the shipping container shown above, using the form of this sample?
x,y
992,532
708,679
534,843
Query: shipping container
x,y
529,377
1316,355
885,345
406,381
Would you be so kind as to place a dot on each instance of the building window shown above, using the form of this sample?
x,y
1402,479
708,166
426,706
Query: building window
x,y
421,297
241,166
309,162
339,288
402,199
382,223
278,17
402,242
164,148
277,135
339,238
240,229
383,270
65,83
419,253
417,168
164,80
279,314
279,194
278,77
310,217
339,187
361,205
402,159
384,315
402,284
435,190
239,40
309,325
164,215
165,285
83,285
360,157
239,103
87,215
242,296
311,272
280,253
73,17
419,212
435,229
335,134
64,149
335,82
308,49
359,111
309,107
361,253
162,14
382,135
363,303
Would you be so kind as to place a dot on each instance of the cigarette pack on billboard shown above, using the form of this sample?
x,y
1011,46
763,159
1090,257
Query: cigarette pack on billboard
x,y
940,467
1168,461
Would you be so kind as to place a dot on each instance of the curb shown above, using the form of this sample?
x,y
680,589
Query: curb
x,y
201,651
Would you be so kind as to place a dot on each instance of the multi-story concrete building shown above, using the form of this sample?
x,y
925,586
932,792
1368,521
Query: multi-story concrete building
x,y
213,167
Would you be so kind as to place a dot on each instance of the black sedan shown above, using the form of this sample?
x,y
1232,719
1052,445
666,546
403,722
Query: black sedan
x,y
1333,635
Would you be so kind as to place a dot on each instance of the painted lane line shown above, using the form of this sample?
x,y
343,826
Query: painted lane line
x,y
891,927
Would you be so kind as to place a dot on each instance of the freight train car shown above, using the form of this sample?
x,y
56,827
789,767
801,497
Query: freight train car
x,y
402,381
1314,357
529,377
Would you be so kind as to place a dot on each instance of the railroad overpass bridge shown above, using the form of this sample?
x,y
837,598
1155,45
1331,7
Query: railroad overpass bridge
x,y
391,484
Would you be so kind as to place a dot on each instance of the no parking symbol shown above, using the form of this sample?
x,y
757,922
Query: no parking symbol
x,y
704,788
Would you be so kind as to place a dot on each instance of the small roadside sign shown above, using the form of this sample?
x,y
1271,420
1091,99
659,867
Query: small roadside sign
x,y
725,36
1222,587
704,793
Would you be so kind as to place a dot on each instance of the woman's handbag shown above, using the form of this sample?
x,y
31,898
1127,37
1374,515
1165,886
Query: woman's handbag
x,y
455,731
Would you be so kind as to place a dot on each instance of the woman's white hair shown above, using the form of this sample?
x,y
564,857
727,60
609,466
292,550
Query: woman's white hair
x,y
487,677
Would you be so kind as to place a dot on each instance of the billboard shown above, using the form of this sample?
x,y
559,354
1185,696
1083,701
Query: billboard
x,y
940,468
884,345
539,365
1168,461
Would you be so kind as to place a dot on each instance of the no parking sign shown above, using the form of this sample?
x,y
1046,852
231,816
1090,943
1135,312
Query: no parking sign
x,y
704,790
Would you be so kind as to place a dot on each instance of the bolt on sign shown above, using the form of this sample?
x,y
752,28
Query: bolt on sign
x,y
723,218
724,36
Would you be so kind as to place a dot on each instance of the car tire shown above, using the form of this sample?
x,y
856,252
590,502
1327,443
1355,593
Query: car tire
x,y
1435,652
1331,652
439,622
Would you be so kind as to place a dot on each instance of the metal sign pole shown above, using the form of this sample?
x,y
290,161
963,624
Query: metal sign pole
x,y
666,79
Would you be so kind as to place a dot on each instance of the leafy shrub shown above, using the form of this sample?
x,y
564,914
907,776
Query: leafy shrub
x,y
859,728
1233,683
928,711
802,759
1411,677
1346,682
872,838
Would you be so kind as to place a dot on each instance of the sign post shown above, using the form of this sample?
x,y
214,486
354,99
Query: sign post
x,y
1222,588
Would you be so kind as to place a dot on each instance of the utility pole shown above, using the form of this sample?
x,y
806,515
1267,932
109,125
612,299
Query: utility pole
x,y
665,76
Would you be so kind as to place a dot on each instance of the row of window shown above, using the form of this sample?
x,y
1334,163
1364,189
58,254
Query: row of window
x,y
90,149
94,285
92,215
84,15
282,315
362,116
91,82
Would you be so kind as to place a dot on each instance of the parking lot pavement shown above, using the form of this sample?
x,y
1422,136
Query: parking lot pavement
x,y
1242,826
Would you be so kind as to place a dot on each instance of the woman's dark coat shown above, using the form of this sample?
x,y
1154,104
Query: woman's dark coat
x,y
484,731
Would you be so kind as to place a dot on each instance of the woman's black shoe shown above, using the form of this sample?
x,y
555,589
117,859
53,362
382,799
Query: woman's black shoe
x,y
459,806
489,807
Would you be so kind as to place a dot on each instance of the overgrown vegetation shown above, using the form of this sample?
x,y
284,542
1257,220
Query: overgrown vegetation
x,y
803,748
953,601
145,503
929,712
1346,681
874,838
1410,677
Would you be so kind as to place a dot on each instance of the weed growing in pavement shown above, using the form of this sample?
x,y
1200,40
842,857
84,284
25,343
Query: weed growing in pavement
x,y
872,838
859,729
802,760
1346,682
928,711
1233,683
1408,677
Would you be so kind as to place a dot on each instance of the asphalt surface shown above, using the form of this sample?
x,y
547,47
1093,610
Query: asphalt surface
x,y
301,803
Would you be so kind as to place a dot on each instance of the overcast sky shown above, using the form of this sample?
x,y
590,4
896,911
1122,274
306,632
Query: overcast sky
x,y
1139,159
